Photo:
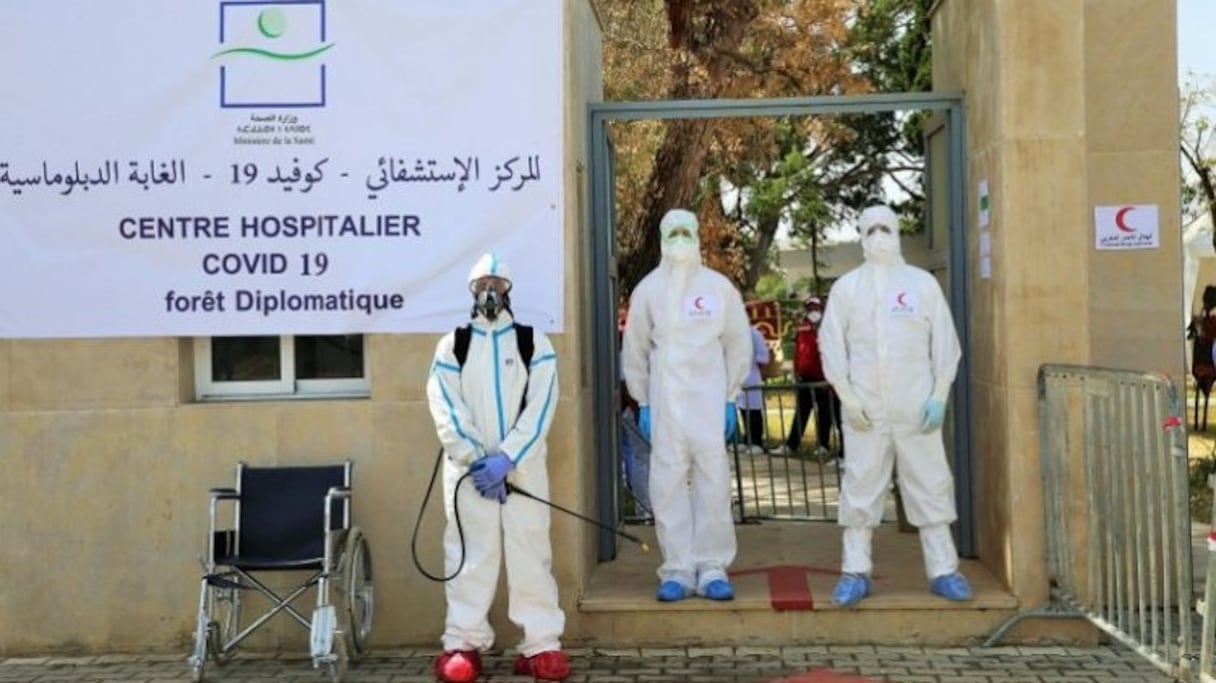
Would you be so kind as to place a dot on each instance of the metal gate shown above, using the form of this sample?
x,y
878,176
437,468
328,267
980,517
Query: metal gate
x,y
946,137
1116,506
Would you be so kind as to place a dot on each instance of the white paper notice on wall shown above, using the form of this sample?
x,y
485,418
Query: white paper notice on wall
x,y
986,255
985,204
1129,226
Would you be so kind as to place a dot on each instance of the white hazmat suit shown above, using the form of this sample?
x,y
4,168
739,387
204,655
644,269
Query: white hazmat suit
x,y
477,411
686,351
890,350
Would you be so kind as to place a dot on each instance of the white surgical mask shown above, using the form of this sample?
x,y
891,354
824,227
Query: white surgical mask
x,y
880,247
682,251
814,316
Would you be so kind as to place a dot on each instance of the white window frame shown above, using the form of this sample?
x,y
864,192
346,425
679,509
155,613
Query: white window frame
x,y
287,387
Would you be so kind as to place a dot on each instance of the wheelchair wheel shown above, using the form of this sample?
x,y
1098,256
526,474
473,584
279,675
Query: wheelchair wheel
x,y
223,621
356,608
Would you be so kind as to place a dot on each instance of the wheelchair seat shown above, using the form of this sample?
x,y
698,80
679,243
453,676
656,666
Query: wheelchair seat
x,y
285,519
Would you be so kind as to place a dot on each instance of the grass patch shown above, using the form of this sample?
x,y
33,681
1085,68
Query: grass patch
x,y
1200,467
1201,457
1201,493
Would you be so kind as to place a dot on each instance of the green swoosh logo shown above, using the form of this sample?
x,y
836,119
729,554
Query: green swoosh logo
x,y
257,52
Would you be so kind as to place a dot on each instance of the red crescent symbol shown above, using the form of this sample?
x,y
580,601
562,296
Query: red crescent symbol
x,y
697,303
1121,216
900,299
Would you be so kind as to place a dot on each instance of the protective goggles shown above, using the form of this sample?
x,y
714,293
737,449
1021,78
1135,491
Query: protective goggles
x,y
498,284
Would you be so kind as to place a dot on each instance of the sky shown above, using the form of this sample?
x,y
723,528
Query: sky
x,y
1195,21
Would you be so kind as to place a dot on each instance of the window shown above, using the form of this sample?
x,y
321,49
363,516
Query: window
x,y
278,367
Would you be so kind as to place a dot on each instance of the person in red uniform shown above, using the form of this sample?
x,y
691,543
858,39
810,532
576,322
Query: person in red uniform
x,y
809,368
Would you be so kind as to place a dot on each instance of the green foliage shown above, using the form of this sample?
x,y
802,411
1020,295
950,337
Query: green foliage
x,y
1196,128
890,45
804,174
771,286
1199,469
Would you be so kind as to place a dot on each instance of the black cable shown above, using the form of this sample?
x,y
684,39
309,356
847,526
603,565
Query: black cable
x,y
459,528
512,488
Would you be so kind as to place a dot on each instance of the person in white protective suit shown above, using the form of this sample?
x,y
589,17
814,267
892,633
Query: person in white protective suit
x,y
891,352
686,351
492,416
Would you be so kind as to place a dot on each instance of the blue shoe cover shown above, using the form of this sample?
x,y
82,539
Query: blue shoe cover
x,y
951,587
672,591
850,589
718,589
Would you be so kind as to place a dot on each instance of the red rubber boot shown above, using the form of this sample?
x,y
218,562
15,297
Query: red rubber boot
x,y
458,666
550,665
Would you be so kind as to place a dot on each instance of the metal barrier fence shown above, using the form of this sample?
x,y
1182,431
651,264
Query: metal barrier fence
x,y
786,469
1115,493
1205,608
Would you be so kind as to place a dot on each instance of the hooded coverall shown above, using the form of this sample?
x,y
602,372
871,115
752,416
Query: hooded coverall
x,y
476,412
687,349
889,344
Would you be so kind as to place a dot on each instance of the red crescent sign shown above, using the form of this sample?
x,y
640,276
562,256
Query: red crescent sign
x,y
1121,216
900,299
697,303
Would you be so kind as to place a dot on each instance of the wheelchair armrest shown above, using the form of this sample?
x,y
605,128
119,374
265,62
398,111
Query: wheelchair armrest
x,y
338,492
223,544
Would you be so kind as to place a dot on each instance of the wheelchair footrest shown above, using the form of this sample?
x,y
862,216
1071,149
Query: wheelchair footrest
x,y
324,621
222,581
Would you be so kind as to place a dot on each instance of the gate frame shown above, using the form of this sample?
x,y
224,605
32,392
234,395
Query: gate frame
x,y
603,266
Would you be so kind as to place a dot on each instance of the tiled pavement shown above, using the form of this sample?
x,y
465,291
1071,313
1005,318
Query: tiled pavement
x,y
818,664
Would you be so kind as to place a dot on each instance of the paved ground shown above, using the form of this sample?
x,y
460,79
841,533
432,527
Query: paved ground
x,y
823,664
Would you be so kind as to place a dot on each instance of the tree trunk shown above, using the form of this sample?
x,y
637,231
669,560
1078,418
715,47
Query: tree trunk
x,y
706,40
673,182
766,232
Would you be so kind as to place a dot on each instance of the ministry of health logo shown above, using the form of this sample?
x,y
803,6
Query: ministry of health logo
x,y
272,53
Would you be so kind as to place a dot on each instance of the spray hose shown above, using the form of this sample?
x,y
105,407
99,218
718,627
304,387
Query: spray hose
x,y
511,488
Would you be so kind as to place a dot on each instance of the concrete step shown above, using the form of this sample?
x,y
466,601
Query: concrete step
x,y
783,576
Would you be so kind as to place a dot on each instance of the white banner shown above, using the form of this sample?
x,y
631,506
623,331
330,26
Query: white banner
x,y
215,167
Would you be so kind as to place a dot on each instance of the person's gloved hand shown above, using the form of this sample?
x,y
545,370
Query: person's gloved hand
x,y
932,415
644,421
496,492
732,420
490,475
853,410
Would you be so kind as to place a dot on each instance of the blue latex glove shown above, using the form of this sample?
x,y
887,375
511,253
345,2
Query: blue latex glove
x,y
732,420
932,415
644,421
496,492
490,475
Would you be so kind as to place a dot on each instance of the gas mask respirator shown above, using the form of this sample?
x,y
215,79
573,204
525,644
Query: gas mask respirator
x,y
489,303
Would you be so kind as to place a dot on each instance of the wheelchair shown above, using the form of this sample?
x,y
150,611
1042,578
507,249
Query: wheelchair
x,y
286,520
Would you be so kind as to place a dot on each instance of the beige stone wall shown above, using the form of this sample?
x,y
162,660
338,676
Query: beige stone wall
x,y
103,502
1069,104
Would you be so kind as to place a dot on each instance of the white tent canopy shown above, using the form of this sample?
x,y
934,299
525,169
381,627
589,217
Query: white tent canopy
x,y
1196,246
